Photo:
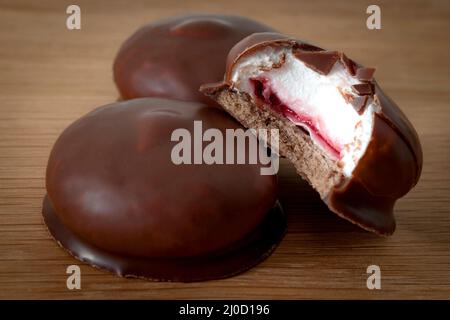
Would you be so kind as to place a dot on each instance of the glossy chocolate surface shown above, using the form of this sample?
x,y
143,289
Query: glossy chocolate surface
x,y
251,250
112,185
392,163
173,57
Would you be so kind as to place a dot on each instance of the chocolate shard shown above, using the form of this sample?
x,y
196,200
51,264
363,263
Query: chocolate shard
x,y
309,47
363,89
349,64
319,61
365,74
359,103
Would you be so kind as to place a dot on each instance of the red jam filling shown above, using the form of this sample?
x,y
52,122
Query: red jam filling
x,y
265,94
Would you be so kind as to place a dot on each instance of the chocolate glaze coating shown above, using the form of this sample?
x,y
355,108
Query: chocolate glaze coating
x,y
392,163
112,184
251,250
173,57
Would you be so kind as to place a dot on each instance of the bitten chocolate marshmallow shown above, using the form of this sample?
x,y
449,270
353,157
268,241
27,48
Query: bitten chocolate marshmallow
x,y
343,134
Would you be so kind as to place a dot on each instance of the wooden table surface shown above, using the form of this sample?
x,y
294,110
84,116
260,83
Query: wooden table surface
x,y
50,76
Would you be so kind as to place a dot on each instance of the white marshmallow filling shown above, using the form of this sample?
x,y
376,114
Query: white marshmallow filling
x,y
309,99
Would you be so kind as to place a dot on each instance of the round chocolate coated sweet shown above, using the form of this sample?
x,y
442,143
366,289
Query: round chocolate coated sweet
x,y
116,199
173,57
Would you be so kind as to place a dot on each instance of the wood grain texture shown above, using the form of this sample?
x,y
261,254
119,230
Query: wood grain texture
x,y
50,76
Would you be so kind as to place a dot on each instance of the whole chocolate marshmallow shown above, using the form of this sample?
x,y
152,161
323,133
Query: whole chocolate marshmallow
x,y
116,199
173,57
